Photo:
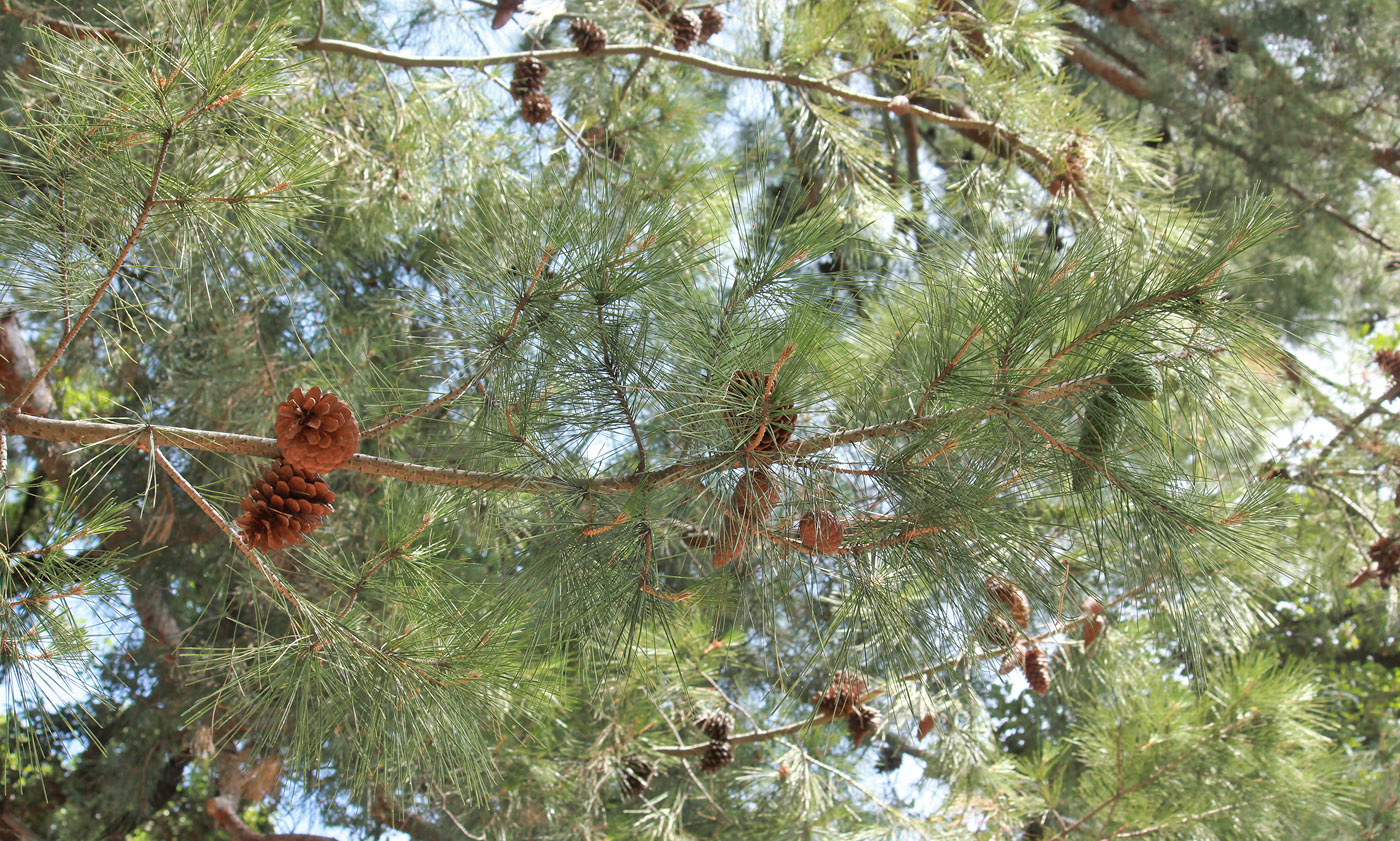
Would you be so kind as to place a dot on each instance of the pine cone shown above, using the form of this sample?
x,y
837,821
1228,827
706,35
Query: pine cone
x,y
535,108
529,77
926,725
746,390
605,142
1385,562
588,37
286,503
1093,629
504,10
822,531
656,7
636,776
1037,669
711,23
1013,659
861,723
890,759
1010,597
842,694
997,632
754,496
1389,362
733,537
685,30
718,725
719,755
316,431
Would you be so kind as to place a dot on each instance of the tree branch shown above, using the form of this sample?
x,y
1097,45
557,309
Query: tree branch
x,y
225,815
82,318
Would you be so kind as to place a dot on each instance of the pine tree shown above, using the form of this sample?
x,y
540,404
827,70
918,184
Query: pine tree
x,y
600,363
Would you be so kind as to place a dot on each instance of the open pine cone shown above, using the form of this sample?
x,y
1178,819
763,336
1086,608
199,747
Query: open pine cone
x,y
286,503
842,696
717,725
316,431
746,413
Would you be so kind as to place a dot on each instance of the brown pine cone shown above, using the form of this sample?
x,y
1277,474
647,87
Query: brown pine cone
x,y
926,723
286,503
605,142
1093,629
733,537
997,632
685,30
535,108
862,723
1013,659
746,392
719,755
1385,563
711,22
316,431
588,37
656,7
528,77
1037,668
755,496
636,776
1389,362
718,725
1010,596
842,695
822,531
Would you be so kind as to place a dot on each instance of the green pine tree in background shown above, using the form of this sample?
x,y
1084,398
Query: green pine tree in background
x,y
640,420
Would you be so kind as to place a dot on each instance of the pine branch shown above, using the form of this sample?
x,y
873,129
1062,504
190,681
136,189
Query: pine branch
x,y
66,28
970,123
82,318
1351,425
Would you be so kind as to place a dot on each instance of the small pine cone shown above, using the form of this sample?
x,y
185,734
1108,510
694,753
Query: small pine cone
x,y
656,7
685,30
821,531
1093,629
316,431
754,496
1385,563
1010,596
1389,362
528,78
588,37
861,723
286,503
1013,660
746,390
605,142
890,759
733,537
1037,669
719,755
711,23
535,108
842,695
926,725
636,776
997,632
719,726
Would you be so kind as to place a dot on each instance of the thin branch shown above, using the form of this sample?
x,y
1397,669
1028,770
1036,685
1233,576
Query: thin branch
x,y
131,239
1350,505
793,80
225,815
1351,425
223,525
66,28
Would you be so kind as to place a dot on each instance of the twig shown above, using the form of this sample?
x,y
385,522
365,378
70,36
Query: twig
x,y
1350,426
947,369
199,500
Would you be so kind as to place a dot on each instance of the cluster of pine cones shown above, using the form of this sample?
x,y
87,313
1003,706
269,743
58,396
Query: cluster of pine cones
x,y
316,433
590,39
999,633
719,726
842,699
